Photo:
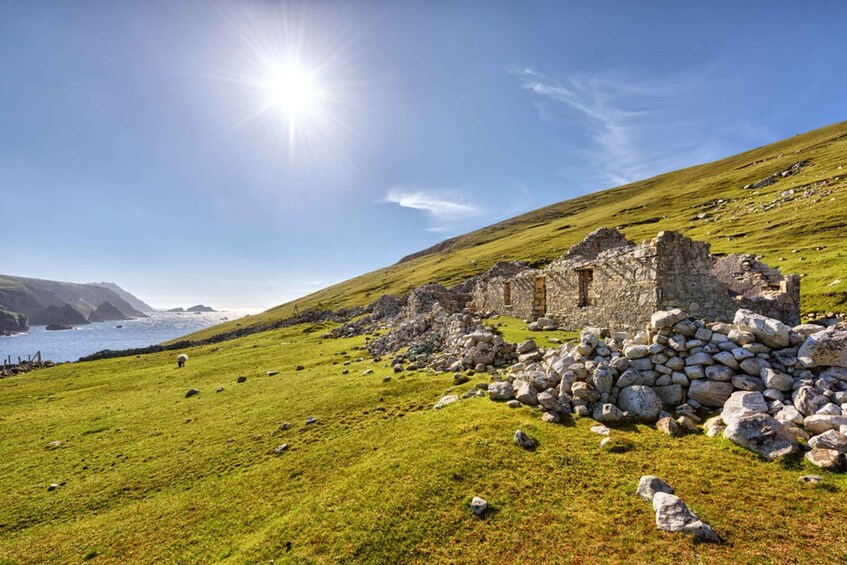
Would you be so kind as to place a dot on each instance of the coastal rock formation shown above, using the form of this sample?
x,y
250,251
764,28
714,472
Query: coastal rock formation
x,y
12,322
107,312
34,297
59,315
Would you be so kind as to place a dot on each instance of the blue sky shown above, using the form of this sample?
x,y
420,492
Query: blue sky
x,y
138,143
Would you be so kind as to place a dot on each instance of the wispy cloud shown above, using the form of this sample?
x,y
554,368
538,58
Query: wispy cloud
x,y
636,128
442,207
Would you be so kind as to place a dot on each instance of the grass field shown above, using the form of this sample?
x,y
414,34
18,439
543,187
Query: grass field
x,y
803,234
151,476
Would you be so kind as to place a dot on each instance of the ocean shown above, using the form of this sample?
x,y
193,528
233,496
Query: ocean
x,y
70,345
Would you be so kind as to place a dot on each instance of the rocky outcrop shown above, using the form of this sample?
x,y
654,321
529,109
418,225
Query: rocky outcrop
x,y
107,312
12,322
200,308
31,297
59,316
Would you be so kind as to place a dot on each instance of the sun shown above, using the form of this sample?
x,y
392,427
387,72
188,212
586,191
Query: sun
x,y
292,91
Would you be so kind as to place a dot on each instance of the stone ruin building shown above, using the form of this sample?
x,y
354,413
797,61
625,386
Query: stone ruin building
x,y
609,281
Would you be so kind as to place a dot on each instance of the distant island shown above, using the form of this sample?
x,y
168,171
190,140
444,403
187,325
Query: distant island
x,y
38,302
197,308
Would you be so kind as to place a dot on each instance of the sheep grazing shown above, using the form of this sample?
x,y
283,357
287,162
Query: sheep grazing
x,y
181,359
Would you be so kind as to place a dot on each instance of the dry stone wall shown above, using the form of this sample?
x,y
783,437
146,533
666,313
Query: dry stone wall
x,y
609,281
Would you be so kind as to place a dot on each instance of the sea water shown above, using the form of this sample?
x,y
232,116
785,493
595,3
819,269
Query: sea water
x,y
70,345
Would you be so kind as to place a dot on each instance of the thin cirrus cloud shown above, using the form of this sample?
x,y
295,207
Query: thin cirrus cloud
x,y
443,208
635,128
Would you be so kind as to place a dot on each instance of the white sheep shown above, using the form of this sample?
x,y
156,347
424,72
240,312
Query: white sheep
x,y
181,359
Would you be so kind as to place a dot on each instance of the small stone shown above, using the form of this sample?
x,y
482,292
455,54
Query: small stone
x,y
54,444
272,373
219,389
241,379
311,420
280,449
513,403
602,430
445,400
668,425
285,426
479,505
191,392
550,418
524,441
52,487
368,372
811,479
386,379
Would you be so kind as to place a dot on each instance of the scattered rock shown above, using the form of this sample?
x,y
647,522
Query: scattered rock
x,y
649,485
241,379
272,373
524,441
668,426
673,515
280,449
445,400
479,506
219,389
299,368
311,420
191,392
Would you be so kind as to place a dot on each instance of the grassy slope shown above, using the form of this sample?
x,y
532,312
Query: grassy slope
x,y
152,476
670,202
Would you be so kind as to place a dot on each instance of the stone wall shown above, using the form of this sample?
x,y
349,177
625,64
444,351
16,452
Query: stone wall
x,y
623,291
628,282
689,277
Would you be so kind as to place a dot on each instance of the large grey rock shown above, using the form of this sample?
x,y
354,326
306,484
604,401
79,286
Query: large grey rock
x,y
761,434
825,349
673,515
641,401
830,439
710,393
649,485
500,390
827,459
767,330
527,394
743,403
820,423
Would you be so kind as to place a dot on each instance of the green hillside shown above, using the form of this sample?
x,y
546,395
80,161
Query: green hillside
x,y
800,233
147,475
